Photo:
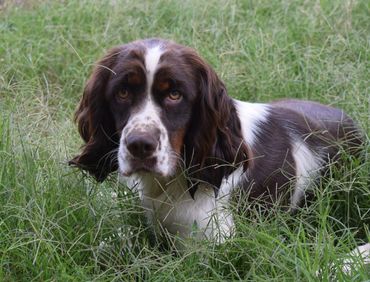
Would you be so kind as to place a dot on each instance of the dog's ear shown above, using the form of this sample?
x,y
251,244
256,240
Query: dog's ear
x,y
214,145
95,122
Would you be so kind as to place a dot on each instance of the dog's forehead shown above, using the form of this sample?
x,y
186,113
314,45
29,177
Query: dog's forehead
x,y
138,57
140,49
155,65
152,57
157,59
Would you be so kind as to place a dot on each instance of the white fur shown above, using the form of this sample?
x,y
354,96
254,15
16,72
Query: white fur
x,y
307,166
251,116
360,255
147,117
152,57
357,258
169,206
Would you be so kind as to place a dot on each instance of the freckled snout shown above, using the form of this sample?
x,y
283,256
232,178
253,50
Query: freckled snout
x,y
142,145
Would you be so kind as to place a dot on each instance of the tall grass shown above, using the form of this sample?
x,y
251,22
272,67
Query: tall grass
x,y
54,219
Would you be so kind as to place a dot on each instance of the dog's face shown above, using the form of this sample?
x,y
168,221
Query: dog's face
x,y
151,98
150,106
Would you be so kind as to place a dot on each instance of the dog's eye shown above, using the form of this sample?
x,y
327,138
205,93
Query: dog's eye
x,y
174,96
123,94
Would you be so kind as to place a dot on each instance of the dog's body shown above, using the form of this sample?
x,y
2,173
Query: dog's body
x,y
157,112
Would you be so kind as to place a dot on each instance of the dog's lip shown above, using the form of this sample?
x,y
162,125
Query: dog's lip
x,y
139,171
138,165
131,171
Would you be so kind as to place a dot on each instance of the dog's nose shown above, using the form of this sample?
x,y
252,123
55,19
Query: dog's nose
x,y
142,145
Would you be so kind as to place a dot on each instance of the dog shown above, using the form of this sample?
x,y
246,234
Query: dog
x,y
158,113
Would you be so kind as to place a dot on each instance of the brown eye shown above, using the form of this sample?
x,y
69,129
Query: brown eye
x,y
175,95
123,94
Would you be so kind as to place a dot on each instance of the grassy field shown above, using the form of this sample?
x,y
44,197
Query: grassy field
x,y
53,218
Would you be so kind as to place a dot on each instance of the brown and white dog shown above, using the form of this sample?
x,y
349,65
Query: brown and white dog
x,y
157,112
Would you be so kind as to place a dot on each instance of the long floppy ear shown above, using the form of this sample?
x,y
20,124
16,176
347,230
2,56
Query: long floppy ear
x,y
214,145
95,123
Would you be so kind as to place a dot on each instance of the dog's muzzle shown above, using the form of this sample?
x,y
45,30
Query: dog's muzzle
x,y
142,147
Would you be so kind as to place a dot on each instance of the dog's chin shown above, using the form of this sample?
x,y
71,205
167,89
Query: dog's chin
x,y
144,170
149,167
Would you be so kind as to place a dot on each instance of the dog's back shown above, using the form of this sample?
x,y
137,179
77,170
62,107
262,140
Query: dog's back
x,y
340,126
294,143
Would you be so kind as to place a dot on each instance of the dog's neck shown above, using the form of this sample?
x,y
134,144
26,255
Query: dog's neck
x,y
153,186
169,205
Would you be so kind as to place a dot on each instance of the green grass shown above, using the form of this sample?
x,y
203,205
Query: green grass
x,y
53,218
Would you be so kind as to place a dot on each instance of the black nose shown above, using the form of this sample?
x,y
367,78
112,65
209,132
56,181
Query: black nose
x,y
141,145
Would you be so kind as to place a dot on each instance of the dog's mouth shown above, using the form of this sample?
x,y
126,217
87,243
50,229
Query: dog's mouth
x,y
148,165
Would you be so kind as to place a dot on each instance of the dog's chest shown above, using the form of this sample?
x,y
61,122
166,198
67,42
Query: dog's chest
x,y
172,209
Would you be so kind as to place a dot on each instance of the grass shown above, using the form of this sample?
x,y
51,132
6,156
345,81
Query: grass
x,y
53,218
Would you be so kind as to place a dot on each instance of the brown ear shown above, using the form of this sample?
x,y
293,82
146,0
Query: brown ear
x,y
96,124
213,144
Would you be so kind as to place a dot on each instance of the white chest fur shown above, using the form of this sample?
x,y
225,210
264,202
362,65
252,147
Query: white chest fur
x,y
170,207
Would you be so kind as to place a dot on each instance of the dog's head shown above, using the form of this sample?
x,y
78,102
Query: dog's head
x,y
154,106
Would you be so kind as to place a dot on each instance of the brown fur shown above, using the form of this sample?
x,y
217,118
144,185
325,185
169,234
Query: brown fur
x,y
95,123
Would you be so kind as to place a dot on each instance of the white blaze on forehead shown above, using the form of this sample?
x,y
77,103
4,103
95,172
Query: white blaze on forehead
x,y
149,111
146,117
152,57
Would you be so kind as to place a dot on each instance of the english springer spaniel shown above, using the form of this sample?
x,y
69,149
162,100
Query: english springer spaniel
x,y
157,112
